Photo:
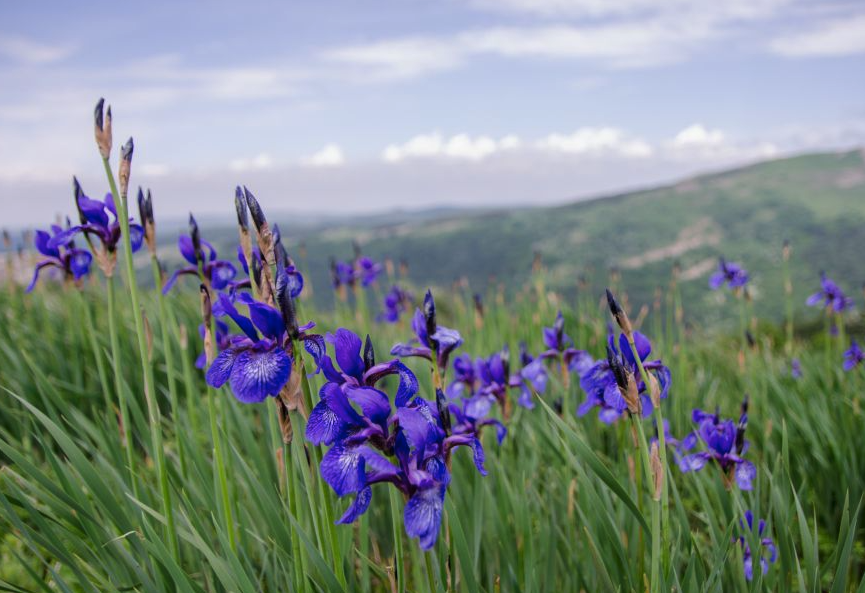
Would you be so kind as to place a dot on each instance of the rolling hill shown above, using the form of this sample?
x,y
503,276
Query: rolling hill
x,y
816,201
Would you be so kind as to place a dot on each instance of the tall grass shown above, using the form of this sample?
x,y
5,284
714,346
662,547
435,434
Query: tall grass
x,y
559,510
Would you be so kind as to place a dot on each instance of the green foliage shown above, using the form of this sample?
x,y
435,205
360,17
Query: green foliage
x,y
559,510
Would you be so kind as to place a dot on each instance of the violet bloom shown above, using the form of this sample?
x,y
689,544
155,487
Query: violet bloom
x,y
602,390
465,379
98,220
853,357
295,278
256,366
371,442
830,296
471,414
202,258
64,256
796,369
396,302
367,270
767,546
725,445
342,274
223,341
733,275
560,347
430,337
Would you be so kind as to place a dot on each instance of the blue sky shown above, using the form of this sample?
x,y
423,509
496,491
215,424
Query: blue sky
x,y
339,106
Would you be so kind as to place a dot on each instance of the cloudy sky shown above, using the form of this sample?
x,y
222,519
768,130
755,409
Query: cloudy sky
x,y
345,106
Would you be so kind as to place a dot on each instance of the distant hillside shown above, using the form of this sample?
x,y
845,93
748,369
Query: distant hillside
x,y
817,201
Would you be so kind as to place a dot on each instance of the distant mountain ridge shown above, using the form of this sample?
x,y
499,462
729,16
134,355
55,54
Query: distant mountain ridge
x,y
816,201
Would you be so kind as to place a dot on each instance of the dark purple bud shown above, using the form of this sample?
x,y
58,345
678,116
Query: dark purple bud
x,y
126,150
368,354
258,218
98,113
740,432
195,235
142,206
255,268
525,357
429,313
618,370
281,255
619,314
286,303
102,128
240,206
444,412
149,203
78,193
7,239
479,304
559,405
750,338
506,361
125,168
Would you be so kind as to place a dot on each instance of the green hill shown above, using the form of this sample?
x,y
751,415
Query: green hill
x,y
816,201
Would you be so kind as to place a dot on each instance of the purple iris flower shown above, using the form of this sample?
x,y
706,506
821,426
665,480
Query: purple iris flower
x,y
342,274
99,220
830,296
796,368
465,379
73,262
599,381
765,543
295,278
223,341
560,347
431,337
854,356
733,275
725,445
407,444
368,270
256,366
396,302
471,414
202,256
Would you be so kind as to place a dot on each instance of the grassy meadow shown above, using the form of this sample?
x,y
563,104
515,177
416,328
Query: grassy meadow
x,y
206,438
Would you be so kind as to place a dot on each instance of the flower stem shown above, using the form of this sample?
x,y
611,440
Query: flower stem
x,y
125,425
396,523
147,369
169,359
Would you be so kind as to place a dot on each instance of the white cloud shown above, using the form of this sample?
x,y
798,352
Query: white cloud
x,y
400,58
26,50
593,141
719,11
459,146
698,142
698,135
256,163
329,156
835,38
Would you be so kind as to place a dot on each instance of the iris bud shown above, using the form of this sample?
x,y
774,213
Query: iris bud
x,y
368,354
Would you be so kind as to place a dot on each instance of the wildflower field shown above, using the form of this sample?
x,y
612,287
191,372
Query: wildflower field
x,y
222,433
